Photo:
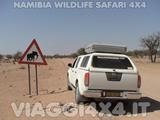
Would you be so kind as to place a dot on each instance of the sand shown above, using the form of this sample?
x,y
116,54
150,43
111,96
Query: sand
x,y
52,88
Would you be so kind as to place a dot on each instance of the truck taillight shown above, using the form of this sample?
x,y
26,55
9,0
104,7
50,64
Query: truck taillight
x,y
139,81
86,79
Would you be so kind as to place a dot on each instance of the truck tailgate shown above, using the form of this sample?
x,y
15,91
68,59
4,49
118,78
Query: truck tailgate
x,y
113,80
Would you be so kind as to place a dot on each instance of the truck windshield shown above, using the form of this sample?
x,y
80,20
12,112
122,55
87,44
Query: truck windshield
x,y
111,62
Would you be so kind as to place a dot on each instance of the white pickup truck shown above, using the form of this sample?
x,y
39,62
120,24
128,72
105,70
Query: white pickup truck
x,y
104,75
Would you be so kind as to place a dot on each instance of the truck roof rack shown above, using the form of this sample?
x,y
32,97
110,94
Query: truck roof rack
x,y
105,48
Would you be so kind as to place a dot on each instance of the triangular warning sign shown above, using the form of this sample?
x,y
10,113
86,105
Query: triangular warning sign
x,y
33,55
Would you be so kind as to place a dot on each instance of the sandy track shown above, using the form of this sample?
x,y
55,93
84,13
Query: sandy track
x,y
52,88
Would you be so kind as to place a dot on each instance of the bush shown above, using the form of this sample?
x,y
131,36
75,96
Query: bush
x,y
138,53
1,56
81,51
73,55
9,56
17,56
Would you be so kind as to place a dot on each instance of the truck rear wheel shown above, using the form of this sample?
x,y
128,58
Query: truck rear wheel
x,y
78,97
68,84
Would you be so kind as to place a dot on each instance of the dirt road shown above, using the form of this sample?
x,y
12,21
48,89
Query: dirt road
x,y
52,88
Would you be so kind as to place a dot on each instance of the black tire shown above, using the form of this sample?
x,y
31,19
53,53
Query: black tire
x,y
68,85
79,98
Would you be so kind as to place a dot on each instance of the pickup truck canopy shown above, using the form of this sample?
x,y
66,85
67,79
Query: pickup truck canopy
x,y
104,48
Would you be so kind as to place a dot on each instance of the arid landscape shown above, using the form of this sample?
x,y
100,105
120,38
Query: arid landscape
x,y
52,88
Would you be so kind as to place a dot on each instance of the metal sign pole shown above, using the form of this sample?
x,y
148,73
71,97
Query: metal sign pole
x,y
29,79
36,79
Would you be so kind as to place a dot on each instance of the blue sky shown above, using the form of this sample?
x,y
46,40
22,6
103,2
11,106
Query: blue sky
x,y
65,30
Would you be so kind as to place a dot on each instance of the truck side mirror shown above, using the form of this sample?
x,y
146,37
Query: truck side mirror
x,y
70,65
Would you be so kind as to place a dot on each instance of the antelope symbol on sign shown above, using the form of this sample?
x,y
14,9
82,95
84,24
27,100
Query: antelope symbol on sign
x,y
32,56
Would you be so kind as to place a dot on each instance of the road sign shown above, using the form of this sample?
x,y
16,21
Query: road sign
x,y
33,55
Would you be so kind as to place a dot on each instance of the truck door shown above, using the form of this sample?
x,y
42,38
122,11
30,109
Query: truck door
x,y
73,72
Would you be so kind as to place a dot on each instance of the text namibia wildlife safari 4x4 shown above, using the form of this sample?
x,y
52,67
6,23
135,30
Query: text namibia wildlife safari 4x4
x,y
79,5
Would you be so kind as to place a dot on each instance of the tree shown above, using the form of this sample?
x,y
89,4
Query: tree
x,y
152,43
73,55
17,56
1,56
81,51
9,56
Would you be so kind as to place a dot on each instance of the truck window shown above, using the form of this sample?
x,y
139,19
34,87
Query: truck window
x,y
76,65
74,62
111,62
85,61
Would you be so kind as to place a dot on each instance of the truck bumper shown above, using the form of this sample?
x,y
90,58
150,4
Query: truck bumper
x,y
123,94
